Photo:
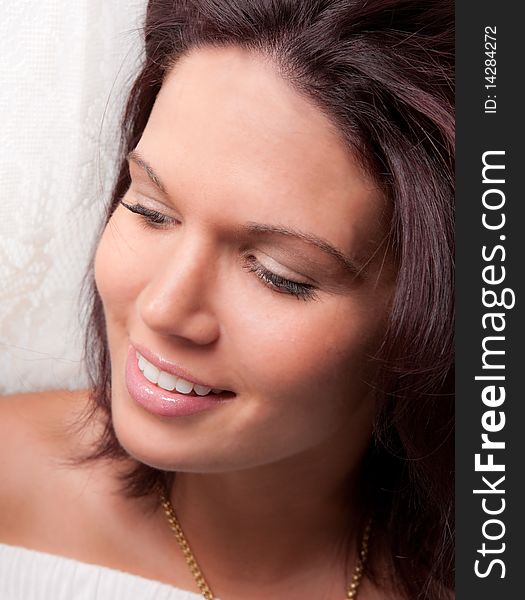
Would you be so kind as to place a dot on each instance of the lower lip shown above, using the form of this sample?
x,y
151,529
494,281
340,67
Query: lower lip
x,y
163,403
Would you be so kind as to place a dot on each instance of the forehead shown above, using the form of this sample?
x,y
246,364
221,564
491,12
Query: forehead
x,y
227,128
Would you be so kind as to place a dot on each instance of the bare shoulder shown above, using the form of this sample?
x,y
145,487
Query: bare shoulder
x,y
38,421
51,502
36,433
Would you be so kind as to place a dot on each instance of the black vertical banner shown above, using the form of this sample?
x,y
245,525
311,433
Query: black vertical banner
x,y
490,409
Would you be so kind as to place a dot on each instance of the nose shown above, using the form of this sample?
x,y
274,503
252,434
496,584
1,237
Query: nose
x,y
177,298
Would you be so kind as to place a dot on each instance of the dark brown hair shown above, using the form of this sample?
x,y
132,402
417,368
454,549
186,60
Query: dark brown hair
x,y
382,70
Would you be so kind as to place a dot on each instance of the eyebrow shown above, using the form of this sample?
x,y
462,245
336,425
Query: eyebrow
x,y
155,179
261,228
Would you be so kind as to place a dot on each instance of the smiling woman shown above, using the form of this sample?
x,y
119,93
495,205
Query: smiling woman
x,y
270,328
202,305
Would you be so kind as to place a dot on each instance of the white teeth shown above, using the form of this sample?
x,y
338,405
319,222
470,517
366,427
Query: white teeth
x,y
170,382
202,390
183,386
167,381
151,373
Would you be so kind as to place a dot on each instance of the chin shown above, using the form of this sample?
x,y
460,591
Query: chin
x,y
196,454
161,450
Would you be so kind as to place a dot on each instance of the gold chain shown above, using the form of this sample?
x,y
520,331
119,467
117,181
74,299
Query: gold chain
x,y
202,584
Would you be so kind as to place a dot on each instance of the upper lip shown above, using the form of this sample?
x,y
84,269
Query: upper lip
x,y
171,367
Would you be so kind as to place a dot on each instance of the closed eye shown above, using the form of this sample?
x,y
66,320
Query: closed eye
x,y
303,291
153,219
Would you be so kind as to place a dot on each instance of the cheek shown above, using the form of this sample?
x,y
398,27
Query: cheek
x,y
118,274
308,352
306,375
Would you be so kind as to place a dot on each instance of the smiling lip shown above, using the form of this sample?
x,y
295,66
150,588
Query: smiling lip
x,y
162,402
164,365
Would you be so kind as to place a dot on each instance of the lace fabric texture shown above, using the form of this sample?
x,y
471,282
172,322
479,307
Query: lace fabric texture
x,y
65,69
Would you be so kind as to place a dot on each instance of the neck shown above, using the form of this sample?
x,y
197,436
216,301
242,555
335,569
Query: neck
x,y
274,522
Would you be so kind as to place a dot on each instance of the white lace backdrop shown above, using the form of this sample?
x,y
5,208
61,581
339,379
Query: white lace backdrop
x,y
65,67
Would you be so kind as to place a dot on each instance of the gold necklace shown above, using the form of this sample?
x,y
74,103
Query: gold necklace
x,y
204,588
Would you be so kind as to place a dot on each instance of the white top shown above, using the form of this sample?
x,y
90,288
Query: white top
x,y
33,575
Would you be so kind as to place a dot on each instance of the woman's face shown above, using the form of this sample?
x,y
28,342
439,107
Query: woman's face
x,y
230,147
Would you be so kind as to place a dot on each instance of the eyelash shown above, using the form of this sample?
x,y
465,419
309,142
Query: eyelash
x,y
302,291
150,218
